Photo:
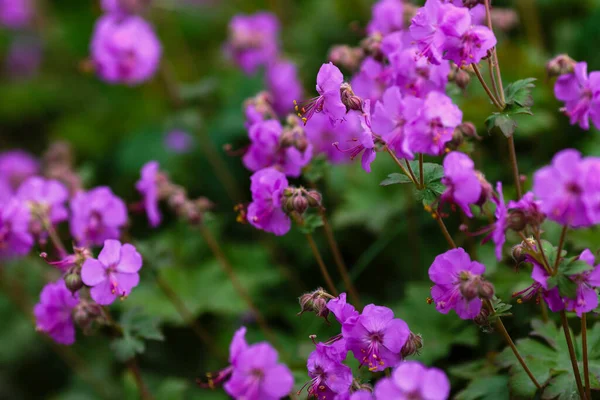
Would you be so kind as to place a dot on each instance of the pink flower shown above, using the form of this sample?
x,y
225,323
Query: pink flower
x,y
53,312
46,196
114,273
462,185
580,94
15,238
388,16
265,212
587,298
147,186
329,80
412,380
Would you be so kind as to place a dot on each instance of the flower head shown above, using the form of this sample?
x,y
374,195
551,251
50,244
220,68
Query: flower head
x,y
97,215
15,238
322,134
414,75
580,94
464,43
329,376
283,85
125,50
53,312
45,198
388,16
342,310
179,142
329,101
375,337
371,80
148,187
15,13
265,212
114,273
425,30
434,127
412,380
586,298
455,276
15,167
253,40
462,185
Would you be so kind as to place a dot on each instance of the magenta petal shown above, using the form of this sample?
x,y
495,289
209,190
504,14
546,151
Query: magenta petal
x,y
111,253
93,272
435,385
130,260
408,376
102,293
126,282
278,382
395,335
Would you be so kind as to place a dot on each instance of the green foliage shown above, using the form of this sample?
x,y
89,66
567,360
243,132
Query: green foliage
x,y
311,223
518,101
395,178
136,326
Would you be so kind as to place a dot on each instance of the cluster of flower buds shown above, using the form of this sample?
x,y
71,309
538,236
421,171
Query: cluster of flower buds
x,y
460,76
473,286
316,302
259,108
413,345
349,99
346,56
191,210
560,65
71,265
88,314
58,163
519,251
371,46
299,199
293,135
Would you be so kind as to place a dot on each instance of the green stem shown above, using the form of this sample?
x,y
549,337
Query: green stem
x,y
399,164
561,243
322,267
514,165
565,325
445,232
421,177
486,87
412,174
139,381
586,367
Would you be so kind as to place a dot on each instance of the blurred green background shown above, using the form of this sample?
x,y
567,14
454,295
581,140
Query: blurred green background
x,y
386,238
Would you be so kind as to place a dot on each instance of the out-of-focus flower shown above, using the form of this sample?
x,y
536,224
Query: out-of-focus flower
x,y
125,50
15,238
462,186
15,14
53,314
114,273
375,337
24,58
412,380
147,186
329,376
580,93
371,80
283,85
179,142
322,134
329,102
388,16
45,198
265,212
15,167
96,216
253,40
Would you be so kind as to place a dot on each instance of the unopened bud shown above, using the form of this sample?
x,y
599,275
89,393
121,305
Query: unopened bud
x,y
314,198
371,46
73,282
349,99
482,319
462,78
316,302
412,345
358,385
470,289
468,129
517,220
288,192
346,56
560,65
518,253
299,203
486,189
86,313
486,290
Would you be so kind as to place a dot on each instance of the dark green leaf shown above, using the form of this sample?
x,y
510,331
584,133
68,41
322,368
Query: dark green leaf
x,y
127,347
395,178
574,267
503,123
135,323
431,172
311,223
519,92
488,388
561,387
566,287
317,168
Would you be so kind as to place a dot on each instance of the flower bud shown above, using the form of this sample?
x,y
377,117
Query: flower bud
x,y
316,302
518,253
486,290
468,129
299,203
486,189
517,220
412,345
470,289
314,198
371,46
288,192
86,313
358,385
482,320
462,78
346,56
560,65
349,99
73,282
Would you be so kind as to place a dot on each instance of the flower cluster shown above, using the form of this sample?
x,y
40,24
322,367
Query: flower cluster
x,y
124,48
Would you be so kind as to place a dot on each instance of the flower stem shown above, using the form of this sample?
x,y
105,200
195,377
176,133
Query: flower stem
x,y
486,87
502,329
55,239
241,290
544,308
514,164
445,232
187,316
412,174
421,177
322,267
565,325
339,260
586,370
561,243
404,171
139,381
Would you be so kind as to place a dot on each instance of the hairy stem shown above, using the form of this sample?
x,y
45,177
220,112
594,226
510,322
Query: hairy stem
x,y
339,260
445,232
561,243
322,267
486,87
55,239
586,367
404,171
239,288
565,325
139,381
502,329
412,174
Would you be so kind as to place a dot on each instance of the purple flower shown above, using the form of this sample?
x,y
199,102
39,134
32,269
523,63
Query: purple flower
x,y
53,312
253,40
257,375
15,238
283,85
412,380
540,277
15,14
415,76
450,271
342,310
114,273
179,142
365,140
45,197
322,134
329,80
125,50
329,377
388,16
425,30
591,196
265,212
561,188
375,337
465,43
462,185
371,80
580,94
391,114
587,298
266,150
15,167
147,186
23,58
434,126
501,214
123,7
96,216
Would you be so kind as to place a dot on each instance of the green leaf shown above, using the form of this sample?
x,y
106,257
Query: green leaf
x,y
574,267
432,172
395,178
127,347
488,388
519,92
317,168
566,287
311,223
134,322
501,122
561,387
